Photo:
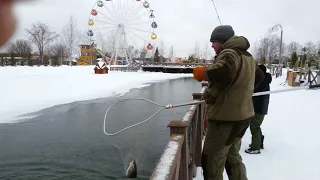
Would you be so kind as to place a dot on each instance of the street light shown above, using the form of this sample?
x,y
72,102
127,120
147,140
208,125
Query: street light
x,y
275,28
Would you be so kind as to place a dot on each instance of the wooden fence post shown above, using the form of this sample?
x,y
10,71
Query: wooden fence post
x,y
199,129
180,127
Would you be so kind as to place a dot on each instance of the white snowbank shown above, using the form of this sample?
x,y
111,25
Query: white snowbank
x,y
28,89
291,131
167,159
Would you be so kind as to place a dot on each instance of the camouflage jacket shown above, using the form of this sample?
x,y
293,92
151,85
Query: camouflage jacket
x,y
232,78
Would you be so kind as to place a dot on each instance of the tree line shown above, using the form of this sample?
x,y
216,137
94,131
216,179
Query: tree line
x,y
48,44
267,51
63,47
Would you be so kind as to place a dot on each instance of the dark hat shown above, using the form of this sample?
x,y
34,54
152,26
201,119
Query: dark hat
x,y
222,34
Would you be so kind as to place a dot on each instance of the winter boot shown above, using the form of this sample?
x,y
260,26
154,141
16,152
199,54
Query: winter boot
x,y
251,151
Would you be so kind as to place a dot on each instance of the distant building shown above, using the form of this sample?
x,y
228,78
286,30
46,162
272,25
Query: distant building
x,y
19,61
88,54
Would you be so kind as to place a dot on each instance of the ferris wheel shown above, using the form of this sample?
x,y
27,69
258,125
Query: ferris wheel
x,y
125,25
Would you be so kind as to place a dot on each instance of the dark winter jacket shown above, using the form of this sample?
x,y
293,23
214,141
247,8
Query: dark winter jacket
x,y
261,103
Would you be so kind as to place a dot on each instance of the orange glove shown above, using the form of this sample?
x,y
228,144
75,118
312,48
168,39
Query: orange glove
x,y
199,73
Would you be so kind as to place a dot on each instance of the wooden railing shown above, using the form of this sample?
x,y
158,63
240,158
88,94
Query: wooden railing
x,y
313,77
182,155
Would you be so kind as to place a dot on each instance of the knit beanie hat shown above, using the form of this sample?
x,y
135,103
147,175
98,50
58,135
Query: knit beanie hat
x,y
222,34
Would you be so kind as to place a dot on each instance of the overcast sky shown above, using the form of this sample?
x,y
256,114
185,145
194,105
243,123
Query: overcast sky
x,y
182,23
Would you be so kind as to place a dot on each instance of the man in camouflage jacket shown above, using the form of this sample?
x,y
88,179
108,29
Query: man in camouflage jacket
x,y
231,81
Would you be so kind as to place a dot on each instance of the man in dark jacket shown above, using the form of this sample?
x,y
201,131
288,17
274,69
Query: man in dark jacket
x,y
261,104
231,79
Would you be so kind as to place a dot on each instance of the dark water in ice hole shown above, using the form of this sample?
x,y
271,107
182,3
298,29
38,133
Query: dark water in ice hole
x,y
67,141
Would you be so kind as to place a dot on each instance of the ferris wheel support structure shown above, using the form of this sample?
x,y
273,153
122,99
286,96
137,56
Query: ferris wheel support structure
x,y
120,43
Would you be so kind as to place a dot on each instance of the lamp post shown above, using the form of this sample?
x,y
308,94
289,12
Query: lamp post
x,y
274,28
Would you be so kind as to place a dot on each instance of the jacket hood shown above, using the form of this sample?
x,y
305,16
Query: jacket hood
x,y
237,42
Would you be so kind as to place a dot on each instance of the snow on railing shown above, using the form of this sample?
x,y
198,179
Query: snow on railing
x,y
169,159
182,154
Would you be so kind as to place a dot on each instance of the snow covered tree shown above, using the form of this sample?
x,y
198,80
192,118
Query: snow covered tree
x,y
71,39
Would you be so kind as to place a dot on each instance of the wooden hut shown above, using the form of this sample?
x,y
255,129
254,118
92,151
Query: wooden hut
x,y
101,68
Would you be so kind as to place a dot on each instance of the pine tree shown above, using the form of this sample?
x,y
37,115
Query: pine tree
x,y
156,56
55,61
30,62
294,58
2,61
13,61
46,60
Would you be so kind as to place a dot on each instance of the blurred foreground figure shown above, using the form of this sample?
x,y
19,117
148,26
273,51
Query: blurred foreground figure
x,y
7,21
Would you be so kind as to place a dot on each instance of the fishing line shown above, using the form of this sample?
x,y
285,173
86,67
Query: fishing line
x,y
170,106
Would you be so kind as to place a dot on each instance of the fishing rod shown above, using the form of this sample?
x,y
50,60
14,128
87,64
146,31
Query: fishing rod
x,y
170,106
216,11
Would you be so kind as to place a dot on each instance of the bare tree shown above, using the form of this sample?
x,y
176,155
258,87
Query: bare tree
x,y
196,52
162,49
106,43
131,51
59,52
70,37
262,49
136,53
84,38
21,47
151,53
274,46
143,54
41,36
102,43
171,52
293,47
268,48
318,47
205,51
311,48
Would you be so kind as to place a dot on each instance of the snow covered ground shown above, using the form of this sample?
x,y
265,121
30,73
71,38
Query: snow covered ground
x,y
28,89
292,134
